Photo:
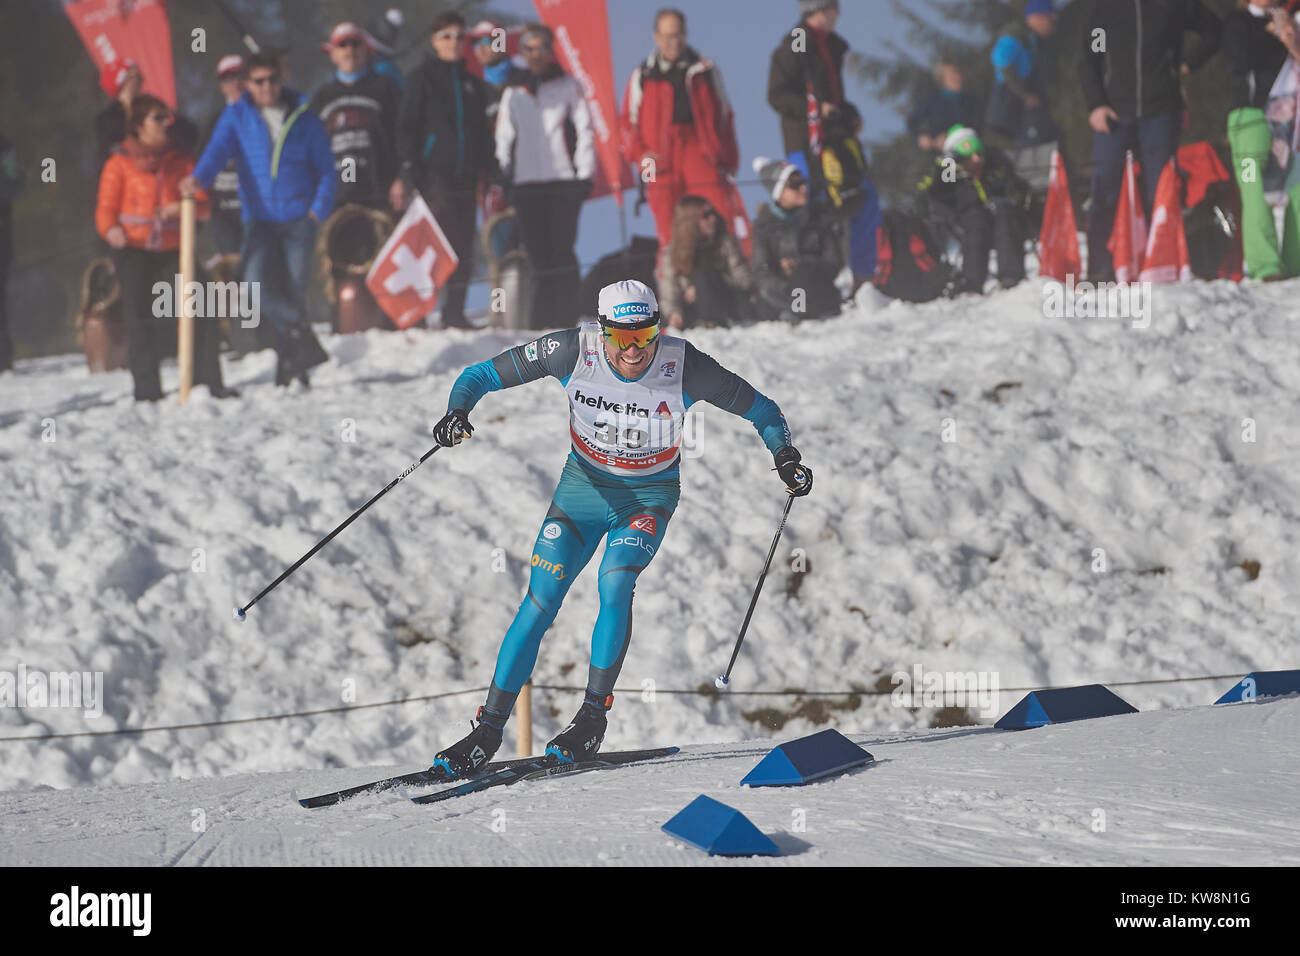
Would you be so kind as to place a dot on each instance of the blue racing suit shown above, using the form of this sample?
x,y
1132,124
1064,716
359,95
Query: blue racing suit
x,y
617,484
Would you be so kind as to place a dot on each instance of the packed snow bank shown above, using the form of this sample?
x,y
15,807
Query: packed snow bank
x,y
1203,786
126,539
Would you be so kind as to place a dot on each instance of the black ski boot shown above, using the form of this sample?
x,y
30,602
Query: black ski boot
x,y
474,751
582,738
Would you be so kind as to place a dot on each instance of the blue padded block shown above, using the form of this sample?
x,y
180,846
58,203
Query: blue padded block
x,y
1042,707
807,759
719,830
1263,684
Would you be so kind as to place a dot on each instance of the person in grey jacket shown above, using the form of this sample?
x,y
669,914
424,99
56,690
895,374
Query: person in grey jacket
x,y
797,248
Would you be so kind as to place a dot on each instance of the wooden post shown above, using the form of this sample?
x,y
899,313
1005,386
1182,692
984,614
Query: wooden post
x,y
524,715
185,321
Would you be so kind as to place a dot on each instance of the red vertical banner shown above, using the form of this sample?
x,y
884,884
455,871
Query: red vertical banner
x,y
582,47
1166,257
1058,243
117,30
1128,238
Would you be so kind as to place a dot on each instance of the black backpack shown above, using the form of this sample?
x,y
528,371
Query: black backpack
x,y
908,262
1213,228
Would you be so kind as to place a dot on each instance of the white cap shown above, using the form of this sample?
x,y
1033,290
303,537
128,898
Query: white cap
x,y
230,63
629,303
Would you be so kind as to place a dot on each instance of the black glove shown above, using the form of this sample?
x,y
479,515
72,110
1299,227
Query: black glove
x,y
453,427
798,478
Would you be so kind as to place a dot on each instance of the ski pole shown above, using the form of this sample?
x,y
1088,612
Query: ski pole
x,y
722,681
240,611
253,45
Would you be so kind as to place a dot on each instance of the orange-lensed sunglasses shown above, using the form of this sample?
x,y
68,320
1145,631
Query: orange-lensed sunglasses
x,y
622,338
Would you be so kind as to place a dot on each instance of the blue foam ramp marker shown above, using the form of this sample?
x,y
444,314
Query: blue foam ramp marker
x,y
807,759
1042,707
719,830
1263,684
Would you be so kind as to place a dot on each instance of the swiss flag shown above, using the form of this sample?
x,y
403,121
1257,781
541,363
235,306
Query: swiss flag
x,y
1128,240
414,264
1166,256
1058,243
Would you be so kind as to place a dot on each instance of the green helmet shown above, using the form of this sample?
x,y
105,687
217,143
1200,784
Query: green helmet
x,y
961,142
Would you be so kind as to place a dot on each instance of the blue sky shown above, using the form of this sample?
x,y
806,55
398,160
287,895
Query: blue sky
x,y
738,35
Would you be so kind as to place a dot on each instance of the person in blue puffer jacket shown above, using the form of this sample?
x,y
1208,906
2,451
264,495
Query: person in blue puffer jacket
x,y
286,185
1018,113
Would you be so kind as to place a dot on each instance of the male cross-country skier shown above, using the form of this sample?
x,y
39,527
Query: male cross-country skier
x,y
629,389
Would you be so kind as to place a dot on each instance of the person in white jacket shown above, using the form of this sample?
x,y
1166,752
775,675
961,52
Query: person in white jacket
x,y
547,153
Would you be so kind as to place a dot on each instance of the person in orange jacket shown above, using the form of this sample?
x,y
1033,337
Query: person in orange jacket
x,y
678,126
138,214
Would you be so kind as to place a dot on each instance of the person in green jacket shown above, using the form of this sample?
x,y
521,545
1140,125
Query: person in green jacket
x,y
1258,40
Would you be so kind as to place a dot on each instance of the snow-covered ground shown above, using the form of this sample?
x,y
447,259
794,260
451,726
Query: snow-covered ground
x,y
1199,786
126,540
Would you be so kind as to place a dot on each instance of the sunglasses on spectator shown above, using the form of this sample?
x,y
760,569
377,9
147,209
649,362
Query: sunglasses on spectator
x,y
264,80
350,41
163,118
709,214
533,48
448,35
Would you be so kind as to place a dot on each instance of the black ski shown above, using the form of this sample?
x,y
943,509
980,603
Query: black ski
x,y
539,767
419,778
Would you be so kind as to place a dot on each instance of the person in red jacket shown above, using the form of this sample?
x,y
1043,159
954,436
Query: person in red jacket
x,y
678,126
137,212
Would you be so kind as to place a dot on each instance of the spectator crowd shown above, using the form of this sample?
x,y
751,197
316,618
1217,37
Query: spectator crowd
x,y
490,123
